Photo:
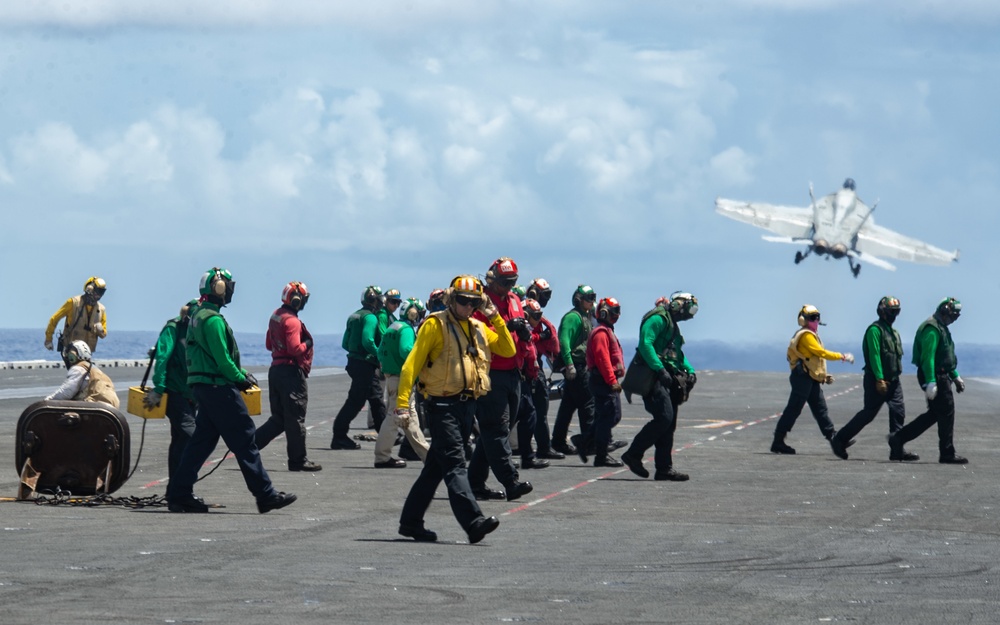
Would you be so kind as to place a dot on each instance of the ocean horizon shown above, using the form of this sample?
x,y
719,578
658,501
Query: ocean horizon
x,y
21,344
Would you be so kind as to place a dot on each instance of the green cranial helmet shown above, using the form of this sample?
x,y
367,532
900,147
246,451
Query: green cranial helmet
x,y
949,309
372,297
583,293
412,310
518,290
217,283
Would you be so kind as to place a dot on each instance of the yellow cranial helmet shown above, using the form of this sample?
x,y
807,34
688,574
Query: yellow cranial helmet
x,y
808,313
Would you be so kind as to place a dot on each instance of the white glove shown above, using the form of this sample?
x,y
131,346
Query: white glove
x,y
569,372
848,357
931,391
99,330
151,399
402,417
959,384
48,345
488,308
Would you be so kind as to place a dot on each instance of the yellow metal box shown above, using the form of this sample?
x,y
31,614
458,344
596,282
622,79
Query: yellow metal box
x,y
136,407
252,399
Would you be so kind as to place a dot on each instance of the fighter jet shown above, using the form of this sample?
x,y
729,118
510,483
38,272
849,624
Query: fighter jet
x,y
836,225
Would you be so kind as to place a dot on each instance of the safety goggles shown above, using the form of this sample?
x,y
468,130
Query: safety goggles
x,y
465,300
507,281
814,317
589,297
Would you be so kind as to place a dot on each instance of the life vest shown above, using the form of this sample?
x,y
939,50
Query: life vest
x,y
669,342
578,343
276,333
202,368
82,327
614,351
354,334
944,357
99,387
815,366
890,351
388,350
463,365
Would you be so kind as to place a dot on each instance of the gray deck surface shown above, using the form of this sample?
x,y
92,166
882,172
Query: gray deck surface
x,y
752,538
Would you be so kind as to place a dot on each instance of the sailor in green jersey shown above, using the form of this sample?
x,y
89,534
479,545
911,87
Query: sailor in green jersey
x,y
392,352
361,341
170,378
660,348
216,377
934,355
386,317
574,331
883,351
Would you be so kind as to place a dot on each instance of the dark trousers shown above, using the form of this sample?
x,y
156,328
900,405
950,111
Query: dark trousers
x,y
366,386
940,410
805,390
494,412
180,412
540,400
607,414
659,431
221,413
873,403
576,397
288,393
450,422
527,420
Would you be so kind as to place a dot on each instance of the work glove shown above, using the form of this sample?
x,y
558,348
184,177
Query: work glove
x,y
488,308
931,391
48,345
959,384
545,333
309,343
99,330
691,381
881,387
151,399
665,378
848,357
402,417
248,383
569,372
616,387
829,379
519,326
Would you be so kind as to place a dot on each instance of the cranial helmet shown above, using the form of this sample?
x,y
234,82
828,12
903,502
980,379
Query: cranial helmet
x,y
949,309
412,310
95,287
608,309
662,300
393,295
682,305
583,292
468,286
217,283
888,308
76,352
540,291
295,295
533,309
518,290
435,301
808,313
849,184
502,272
372,297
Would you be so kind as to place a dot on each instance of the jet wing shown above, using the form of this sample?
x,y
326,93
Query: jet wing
x,y
878,241
789,221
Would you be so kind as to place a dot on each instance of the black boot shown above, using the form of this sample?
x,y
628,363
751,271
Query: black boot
x,y
779,446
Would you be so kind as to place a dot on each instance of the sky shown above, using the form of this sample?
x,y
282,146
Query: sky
x,y
401,143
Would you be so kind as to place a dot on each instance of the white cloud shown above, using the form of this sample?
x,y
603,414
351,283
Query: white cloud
x,y
5,177
55,152
733,166
460,159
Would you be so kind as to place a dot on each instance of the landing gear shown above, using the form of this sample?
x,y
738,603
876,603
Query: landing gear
x,y
855,268
799,256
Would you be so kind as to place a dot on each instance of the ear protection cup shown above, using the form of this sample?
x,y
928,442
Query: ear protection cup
x,y
89,289
449,295
412,313
219,286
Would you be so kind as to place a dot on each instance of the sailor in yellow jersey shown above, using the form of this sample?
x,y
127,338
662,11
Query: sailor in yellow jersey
x,y
451,357
807,358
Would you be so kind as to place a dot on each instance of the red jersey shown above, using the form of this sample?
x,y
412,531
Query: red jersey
x,y
604,354
286,339
509,307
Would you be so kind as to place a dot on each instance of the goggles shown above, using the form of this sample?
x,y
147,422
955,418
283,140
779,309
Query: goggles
x,y
467,300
